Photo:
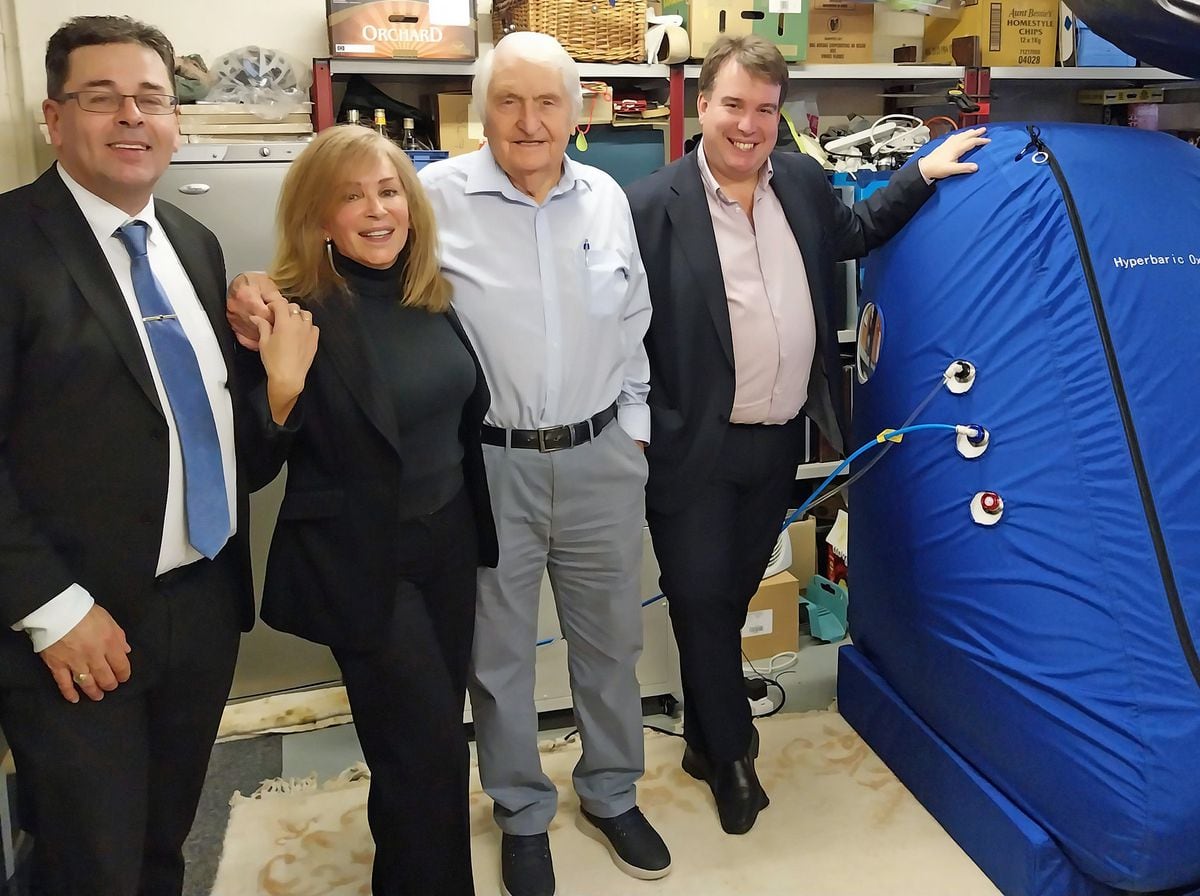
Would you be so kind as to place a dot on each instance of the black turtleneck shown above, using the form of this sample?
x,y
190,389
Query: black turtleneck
x,y
429,376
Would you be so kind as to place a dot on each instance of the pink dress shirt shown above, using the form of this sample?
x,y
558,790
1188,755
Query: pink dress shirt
x,y
770,306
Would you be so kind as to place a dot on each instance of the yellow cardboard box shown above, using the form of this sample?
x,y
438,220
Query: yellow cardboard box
x,y
706,20
773,620
1010,32
841,33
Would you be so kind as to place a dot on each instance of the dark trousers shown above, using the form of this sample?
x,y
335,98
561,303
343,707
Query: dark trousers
x,y
712,554
113,785
407,695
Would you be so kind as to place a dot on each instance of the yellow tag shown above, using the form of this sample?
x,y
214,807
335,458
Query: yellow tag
x,y
886,436
581,142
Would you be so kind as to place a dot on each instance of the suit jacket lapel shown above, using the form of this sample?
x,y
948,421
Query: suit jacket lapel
x,y
60,219
688,211
343,346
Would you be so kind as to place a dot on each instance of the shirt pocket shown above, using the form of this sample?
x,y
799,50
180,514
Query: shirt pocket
x,y
606,278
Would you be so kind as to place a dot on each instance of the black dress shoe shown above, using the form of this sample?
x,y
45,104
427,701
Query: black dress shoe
x,y
735,787
526,868
634,845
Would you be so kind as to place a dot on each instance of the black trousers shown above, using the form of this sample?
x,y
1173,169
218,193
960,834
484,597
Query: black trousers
x,y
112,786
407,696
712,554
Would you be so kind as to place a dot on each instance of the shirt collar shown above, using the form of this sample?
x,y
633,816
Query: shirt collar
x,y
710,182
102,216
484,175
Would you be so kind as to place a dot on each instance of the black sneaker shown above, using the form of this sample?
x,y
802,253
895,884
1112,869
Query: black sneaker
x,y
634,845
525,865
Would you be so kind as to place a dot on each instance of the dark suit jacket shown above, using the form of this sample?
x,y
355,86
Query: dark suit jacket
x,y
83,440
689,341
332,572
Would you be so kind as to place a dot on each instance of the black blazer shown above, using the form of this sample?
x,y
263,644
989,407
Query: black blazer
x,y
83,440
689,342
332,573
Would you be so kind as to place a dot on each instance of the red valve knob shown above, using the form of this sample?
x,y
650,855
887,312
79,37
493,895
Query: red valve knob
x,y
991,503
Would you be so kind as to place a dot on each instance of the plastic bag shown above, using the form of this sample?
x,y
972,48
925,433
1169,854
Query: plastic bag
x,y
266,79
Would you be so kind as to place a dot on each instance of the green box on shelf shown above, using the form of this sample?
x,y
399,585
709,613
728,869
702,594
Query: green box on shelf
x,y
785,24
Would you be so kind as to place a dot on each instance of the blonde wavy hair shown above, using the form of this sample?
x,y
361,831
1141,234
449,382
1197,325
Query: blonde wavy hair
x,y
301,267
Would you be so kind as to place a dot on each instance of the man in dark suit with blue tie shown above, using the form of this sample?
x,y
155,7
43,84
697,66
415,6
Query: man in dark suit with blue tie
x,y
124,560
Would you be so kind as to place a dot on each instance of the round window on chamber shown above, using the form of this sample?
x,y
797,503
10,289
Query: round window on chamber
x,y
870,339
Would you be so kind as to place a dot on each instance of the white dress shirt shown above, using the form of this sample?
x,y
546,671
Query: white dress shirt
x,y
59,615
553,296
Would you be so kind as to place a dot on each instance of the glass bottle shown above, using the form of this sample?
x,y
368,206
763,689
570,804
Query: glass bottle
x,y
409,140
381,122
352,117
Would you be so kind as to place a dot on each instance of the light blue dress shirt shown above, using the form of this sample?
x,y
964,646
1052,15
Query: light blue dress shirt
x,y
553,296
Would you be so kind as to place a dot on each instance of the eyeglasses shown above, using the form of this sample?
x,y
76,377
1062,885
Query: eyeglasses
x,y
107,101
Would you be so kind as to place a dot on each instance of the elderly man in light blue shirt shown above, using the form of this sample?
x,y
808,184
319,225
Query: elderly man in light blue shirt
x,y
550,287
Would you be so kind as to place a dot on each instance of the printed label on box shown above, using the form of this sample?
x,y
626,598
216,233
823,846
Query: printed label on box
x,y
449,12
758,622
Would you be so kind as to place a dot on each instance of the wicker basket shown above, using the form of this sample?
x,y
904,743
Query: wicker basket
x,y
590,30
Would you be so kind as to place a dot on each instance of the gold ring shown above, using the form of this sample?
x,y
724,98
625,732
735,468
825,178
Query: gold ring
x,y
295,312
82,677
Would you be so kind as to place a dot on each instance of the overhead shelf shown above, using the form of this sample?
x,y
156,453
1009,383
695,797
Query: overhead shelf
x,y
587,71
1083,73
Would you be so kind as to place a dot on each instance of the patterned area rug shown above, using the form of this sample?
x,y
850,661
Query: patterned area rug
x,y
839,823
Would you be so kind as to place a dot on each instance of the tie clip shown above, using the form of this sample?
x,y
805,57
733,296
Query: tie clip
x,y
154,317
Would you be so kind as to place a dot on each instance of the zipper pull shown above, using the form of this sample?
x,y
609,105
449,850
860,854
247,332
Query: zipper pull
x,y
1035,142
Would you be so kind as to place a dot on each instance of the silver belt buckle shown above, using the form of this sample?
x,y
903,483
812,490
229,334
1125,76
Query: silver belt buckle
x,y
547,449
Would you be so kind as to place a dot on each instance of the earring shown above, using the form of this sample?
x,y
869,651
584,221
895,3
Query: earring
x,y
329,255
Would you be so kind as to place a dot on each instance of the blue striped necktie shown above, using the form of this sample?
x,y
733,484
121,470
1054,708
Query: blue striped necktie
x,y
204,478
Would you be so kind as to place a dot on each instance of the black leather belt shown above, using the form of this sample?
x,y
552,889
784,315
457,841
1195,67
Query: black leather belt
x,y
551,438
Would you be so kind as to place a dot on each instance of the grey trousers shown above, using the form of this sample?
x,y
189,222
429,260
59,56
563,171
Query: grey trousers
x,y
577,514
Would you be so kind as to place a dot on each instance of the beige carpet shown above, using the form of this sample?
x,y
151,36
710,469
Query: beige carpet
x,y
839,823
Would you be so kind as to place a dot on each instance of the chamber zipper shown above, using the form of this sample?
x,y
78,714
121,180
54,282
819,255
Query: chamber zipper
x,y
1139,468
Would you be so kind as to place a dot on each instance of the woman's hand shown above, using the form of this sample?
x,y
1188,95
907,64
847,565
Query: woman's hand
x,y
287,348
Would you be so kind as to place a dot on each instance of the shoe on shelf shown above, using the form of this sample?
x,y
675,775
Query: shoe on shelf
x,y
526,868
735,786
634,845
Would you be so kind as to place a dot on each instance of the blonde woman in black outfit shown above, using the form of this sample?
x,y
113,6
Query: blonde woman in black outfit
x,y
386,516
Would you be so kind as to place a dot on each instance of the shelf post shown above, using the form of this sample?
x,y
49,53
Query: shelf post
x,y
322,95
678,113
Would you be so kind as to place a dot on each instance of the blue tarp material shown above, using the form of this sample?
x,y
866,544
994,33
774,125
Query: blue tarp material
x,y
1056,651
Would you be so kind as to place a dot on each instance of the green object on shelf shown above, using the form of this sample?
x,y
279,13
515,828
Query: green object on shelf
x,y
826,603
787,30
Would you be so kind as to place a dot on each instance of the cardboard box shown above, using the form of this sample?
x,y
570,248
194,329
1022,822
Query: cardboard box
x,y
785,24
706,20
841,33
402,29
1120,96
803,536
459,128
773,620
597,104
1010,32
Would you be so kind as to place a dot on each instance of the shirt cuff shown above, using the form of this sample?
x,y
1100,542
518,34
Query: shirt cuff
x,y
53,619
635,420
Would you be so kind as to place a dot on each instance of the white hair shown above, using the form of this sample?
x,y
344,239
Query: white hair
x,y
529,46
